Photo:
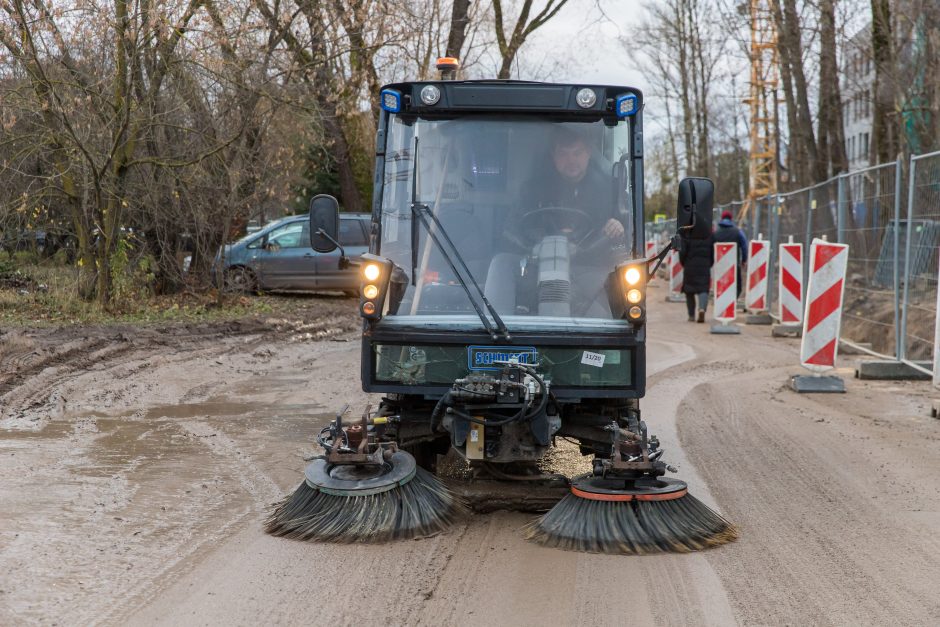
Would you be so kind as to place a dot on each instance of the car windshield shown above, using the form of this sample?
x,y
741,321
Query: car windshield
x,y
539,210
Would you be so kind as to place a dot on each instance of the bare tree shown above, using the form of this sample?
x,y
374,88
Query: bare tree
x,y
884,140
831,135
682,46
459,22
510,41
802,156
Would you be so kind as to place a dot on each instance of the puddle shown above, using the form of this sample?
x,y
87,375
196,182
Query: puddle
x,y
209,408
125,446
51,431
263,385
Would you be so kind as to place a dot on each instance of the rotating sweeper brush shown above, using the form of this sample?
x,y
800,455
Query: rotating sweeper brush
x,y
363,490
616,515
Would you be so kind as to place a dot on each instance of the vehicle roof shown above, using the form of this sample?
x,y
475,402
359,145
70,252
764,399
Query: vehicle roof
x,y
286,219
511,96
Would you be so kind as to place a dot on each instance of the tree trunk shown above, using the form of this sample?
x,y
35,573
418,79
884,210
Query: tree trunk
x,y
685,97
350,197
700,82
802,155
509,47
459,20
831,137
884,139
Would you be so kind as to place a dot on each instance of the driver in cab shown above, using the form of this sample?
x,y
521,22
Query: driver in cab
x,y
570,200
579,184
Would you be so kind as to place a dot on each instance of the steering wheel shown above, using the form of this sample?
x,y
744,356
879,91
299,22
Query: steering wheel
x,y
540,214
586,238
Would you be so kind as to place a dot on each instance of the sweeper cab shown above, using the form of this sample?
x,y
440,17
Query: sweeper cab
x,y
504,307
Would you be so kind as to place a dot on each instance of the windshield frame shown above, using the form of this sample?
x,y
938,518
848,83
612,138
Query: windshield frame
x,y
633,163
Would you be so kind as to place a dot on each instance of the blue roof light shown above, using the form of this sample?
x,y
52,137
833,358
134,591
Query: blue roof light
x,y
391,100
625,105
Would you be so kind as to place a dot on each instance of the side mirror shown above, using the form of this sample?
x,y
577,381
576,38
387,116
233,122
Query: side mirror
x,y
324,223
695,209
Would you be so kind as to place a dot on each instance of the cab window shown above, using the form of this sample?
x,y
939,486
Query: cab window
x,y
287,236
351,233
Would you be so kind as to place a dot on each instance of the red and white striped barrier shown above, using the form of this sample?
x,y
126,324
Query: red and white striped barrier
x,y
675,275
790,283
824,294
755,297
650,248
725,272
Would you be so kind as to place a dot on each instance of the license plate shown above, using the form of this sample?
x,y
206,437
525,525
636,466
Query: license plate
x,y
485,357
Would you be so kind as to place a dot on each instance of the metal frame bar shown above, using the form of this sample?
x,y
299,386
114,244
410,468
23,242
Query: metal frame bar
x,y
902,354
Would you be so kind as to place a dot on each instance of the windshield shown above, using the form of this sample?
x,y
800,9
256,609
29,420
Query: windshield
x,y
539,210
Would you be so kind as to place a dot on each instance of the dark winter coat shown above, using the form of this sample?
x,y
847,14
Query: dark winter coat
x,y
697,257
728,232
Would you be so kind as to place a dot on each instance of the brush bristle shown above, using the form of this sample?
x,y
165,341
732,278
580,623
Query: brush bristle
x,y
421,507
633,527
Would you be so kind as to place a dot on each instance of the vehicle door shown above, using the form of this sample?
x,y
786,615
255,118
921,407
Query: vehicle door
x,y
287,261
354,237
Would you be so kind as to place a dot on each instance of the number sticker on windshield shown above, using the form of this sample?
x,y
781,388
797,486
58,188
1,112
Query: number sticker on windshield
x,y
593,359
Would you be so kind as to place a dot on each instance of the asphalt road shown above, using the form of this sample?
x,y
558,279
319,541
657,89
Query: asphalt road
x,y
135,487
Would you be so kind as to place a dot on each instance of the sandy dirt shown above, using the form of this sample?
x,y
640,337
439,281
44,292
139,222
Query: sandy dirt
x,y
138,466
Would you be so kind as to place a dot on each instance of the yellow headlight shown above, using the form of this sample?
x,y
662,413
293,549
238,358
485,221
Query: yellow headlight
x,y
372,271
634,296
368,308
632,276
370,291
635,312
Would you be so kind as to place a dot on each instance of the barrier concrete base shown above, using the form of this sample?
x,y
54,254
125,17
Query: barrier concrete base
x,y
760,318
809,384
891,371
726,329
787,330
675,298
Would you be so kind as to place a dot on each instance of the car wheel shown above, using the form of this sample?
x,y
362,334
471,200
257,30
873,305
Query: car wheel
x,y
241,280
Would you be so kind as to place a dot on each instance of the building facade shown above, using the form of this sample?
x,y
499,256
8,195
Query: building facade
x,y
858,80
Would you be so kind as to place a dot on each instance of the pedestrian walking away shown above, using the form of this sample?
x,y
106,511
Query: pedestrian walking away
x,y
729,232
697,257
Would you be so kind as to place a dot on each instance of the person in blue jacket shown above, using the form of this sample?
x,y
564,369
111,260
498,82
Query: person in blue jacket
x,y
728,232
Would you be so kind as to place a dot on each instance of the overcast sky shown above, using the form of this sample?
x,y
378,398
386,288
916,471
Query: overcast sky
x,y
594,47
580,46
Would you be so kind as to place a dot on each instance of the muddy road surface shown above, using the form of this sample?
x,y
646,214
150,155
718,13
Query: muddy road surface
x,y
137,468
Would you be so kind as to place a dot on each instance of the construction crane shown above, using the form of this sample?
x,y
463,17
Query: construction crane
x,y
762,99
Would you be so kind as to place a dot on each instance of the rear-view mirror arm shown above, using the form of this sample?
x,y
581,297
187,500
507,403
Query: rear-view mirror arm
x,y
343,259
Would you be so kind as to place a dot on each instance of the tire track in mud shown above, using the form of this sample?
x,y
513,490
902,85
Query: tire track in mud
x,y
34,365
35,387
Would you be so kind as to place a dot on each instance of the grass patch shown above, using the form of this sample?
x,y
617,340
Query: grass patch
x,y
52,300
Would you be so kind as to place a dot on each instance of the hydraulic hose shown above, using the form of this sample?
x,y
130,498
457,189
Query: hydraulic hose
x,y
442,404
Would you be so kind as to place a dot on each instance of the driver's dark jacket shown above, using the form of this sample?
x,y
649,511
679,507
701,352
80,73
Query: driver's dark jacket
x,y
593,194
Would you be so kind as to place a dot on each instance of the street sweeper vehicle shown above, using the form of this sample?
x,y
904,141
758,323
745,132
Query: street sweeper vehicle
x,y
504,307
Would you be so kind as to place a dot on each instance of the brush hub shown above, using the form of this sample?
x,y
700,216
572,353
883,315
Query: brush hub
x,y
613,488
360,479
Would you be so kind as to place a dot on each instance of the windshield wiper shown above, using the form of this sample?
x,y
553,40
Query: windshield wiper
x,y
416,212
422,211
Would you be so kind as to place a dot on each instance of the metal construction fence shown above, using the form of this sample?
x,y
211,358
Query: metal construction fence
x,y
889,214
